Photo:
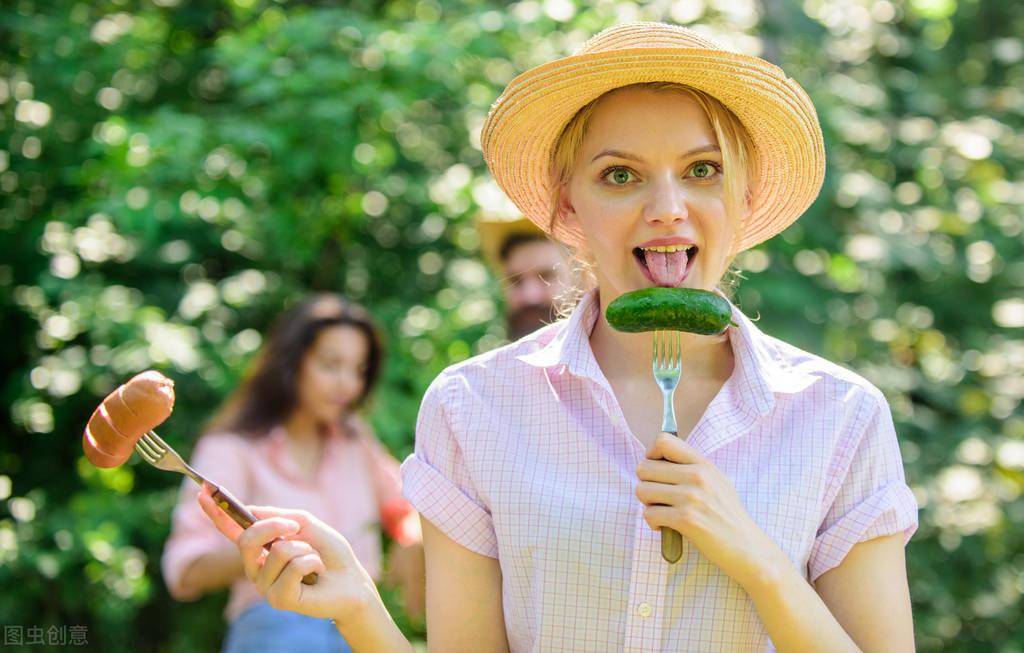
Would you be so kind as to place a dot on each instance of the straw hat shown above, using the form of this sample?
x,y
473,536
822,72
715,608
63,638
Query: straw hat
x,y
519,134
494,230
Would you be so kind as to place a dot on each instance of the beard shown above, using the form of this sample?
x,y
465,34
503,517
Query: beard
x,y
528,319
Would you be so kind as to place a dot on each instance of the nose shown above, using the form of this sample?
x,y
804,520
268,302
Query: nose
x,y
667,203
347,379
534,290
529,289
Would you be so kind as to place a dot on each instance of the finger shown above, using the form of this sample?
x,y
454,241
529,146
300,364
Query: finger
x,y
658,493
251,541
333,548
286,592
669,447
281,553
658,516
673,473
659,471
220,519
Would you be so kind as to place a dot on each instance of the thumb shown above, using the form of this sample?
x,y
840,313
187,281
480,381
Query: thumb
x,y
334,549
220,519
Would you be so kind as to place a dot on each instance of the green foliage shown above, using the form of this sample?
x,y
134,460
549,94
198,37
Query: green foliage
x,y
173,174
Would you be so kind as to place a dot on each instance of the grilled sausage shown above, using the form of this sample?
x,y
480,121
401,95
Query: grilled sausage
x,y
116,425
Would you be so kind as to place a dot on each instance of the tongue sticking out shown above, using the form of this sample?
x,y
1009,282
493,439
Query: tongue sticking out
x,y
667,268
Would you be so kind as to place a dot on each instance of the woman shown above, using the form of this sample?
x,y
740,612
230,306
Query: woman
x,y
539,471
291,435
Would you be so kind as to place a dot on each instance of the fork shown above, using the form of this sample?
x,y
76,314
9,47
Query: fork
x,y
668,363
159,454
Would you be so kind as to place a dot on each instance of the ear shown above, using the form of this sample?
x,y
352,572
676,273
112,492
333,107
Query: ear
x,y
564,208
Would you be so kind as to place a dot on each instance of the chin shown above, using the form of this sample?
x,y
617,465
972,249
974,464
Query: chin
x,y
333,416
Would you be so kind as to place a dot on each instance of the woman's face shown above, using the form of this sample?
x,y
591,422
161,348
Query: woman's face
x,y
332,373
649,173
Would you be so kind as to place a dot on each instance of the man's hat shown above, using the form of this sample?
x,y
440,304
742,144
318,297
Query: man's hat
x,y
495,230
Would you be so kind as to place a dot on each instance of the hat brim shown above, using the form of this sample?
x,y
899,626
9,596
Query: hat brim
x,y
789,158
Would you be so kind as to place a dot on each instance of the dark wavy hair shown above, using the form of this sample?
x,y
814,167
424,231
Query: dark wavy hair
x,y
268,392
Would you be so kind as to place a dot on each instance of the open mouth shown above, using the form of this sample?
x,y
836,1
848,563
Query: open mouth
x,y
664,267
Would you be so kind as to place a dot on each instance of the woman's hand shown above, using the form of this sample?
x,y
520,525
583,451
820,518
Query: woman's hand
x,y
343,589
685,491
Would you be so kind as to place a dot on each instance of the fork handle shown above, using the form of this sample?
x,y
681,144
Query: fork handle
x,y
671,544
238,512
671,540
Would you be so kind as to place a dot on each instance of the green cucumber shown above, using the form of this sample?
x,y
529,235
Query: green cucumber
x,y
672,309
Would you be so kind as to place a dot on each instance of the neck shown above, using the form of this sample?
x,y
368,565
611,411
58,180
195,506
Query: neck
x,y
302,426
628,355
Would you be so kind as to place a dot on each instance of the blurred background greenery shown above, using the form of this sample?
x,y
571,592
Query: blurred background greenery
x,y
174,172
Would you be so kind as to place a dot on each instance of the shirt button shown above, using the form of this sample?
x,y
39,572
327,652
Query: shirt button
x,y
644,610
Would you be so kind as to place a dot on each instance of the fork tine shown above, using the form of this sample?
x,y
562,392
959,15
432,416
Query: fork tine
x,y
157,448
146,455
138,449
154,446
148,443
158,440
668,350
147,447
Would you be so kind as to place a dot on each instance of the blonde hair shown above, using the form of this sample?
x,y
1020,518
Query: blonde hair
x,y
737,162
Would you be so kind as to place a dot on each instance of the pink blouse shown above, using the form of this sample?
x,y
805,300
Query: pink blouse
x,y
523,454
354,489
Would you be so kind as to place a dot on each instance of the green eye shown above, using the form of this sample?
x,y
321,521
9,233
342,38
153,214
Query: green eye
x,y
620,176
704,169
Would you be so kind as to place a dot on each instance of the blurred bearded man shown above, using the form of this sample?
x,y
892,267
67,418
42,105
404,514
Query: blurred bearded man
x,y
532,269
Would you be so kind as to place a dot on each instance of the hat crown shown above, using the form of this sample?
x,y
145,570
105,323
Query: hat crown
x,y
628,36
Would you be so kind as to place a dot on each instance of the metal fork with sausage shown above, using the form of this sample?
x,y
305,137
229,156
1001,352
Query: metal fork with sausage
x,y
125,421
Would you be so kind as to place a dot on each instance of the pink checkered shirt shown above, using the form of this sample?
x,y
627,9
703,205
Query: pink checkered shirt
x,y
523,454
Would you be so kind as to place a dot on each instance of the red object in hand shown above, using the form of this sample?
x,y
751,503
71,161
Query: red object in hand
x,y
140,405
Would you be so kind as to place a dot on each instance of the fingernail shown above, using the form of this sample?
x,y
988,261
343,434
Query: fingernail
x,y
293,526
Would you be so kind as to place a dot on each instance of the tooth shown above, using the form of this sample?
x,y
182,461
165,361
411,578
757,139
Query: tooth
x,y
667,248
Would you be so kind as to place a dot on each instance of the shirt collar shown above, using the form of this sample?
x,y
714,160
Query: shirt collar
x,y
570,347
760,371
276,442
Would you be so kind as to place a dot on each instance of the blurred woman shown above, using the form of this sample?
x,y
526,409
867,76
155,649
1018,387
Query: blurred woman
x,y
291,435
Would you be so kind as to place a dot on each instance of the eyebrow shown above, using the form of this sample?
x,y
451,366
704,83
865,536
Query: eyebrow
x,y
632,157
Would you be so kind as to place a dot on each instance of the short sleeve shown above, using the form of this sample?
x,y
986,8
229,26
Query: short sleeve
x,y
873,498
436,480
219,458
